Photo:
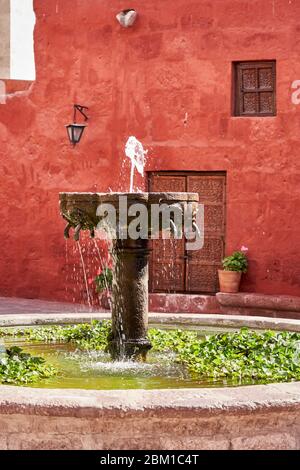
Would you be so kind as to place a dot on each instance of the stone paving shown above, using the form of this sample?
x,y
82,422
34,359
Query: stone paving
x,y
21,312
30,306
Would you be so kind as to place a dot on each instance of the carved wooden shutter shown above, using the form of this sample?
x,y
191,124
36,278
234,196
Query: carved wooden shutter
x,y
202,266
255,89
167,273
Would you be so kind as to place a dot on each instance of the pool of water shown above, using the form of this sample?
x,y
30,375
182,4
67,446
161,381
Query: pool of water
x,y
96,371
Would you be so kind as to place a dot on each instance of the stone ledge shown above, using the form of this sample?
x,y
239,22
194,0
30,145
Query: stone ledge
x,y
183,303
256,417
93,403
259,304
192,320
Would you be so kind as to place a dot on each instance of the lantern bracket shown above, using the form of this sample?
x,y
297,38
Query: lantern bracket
x,y
80,109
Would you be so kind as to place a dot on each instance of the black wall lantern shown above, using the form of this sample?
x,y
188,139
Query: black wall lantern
x,y
76,130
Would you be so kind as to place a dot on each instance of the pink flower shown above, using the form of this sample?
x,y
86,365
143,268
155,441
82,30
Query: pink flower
x,y
90,281
99,272
244,249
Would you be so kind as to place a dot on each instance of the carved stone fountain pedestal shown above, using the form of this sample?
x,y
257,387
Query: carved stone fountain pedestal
x,y
130,299
83,211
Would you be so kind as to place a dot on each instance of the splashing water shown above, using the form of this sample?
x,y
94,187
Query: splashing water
x,y
85,275
102,264
119,316
135,151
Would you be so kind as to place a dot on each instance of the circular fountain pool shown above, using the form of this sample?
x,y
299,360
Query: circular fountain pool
x,y
78,358
94,370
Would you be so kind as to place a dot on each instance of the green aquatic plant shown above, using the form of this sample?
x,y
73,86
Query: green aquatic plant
x,y
19,368
260,356
86,336
171,340
266,356
95,336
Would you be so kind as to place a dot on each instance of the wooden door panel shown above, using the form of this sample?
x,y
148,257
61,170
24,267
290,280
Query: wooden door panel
x,y
213,218
201,278
167,277
210,188
202,265
212,251
167,272
168,248
167,183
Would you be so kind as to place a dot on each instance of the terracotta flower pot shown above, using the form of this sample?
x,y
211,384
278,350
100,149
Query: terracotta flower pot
x,y
229,281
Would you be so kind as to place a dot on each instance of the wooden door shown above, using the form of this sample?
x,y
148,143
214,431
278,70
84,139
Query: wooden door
x,y
172,268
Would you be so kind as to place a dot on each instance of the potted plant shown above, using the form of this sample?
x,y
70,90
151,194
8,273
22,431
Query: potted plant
x,y
233,267
103,282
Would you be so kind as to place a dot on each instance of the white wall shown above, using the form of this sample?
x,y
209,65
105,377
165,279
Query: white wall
x,y
22,21
4,39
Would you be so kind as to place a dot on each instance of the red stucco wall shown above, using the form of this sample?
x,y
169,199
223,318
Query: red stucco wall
x,y
177,59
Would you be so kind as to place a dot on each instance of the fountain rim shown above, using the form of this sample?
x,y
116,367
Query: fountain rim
x,y
96,403
186,319
148,197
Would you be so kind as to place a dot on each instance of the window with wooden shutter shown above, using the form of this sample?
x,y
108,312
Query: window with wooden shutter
x,y
255,88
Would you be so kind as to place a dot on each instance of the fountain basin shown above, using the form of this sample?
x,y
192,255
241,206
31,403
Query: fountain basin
x,y
80,209
247,417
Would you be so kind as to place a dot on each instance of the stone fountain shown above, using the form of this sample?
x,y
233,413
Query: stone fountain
x,y
131,256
